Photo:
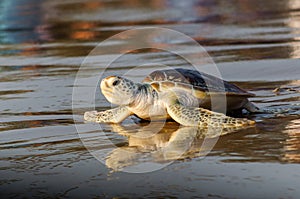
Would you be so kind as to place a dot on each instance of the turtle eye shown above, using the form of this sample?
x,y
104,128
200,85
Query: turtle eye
x,y
116,82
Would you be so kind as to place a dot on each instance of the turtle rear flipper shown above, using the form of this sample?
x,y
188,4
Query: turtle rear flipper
x,y
249,106
189,116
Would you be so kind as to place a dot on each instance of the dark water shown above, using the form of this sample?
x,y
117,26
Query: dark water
x,y
255,44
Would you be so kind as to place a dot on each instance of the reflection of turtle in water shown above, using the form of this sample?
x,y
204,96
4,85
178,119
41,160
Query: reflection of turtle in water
x,y
170,142
176,94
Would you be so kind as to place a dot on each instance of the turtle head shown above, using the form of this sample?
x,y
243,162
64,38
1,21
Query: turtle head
x,y
118,90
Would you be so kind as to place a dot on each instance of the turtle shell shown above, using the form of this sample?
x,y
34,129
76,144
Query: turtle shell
x,y
197,82
202,86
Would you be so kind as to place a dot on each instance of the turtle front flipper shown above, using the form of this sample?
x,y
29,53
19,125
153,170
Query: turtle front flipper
x,y
115,115
189,116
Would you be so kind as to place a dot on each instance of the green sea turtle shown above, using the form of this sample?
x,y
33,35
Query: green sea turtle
x,y
181,94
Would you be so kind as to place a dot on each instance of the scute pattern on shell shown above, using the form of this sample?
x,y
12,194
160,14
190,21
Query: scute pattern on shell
x,y
200,81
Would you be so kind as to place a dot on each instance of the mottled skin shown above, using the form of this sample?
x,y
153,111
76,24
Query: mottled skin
x,y
175,98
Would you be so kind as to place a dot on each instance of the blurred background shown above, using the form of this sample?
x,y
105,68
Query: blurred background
x,y
255,44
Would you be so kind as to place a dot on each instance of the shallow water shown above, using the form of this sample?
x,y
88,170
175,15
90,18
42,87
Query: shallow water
x,y
255,44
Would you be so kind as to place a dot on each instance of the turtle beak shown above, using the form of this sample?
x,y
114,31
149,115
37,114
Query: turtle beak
x,y
105,87
105,82
109,88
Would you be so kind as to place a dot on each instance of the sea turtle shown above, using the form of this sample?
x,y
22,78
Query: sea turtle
x,y
181,94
